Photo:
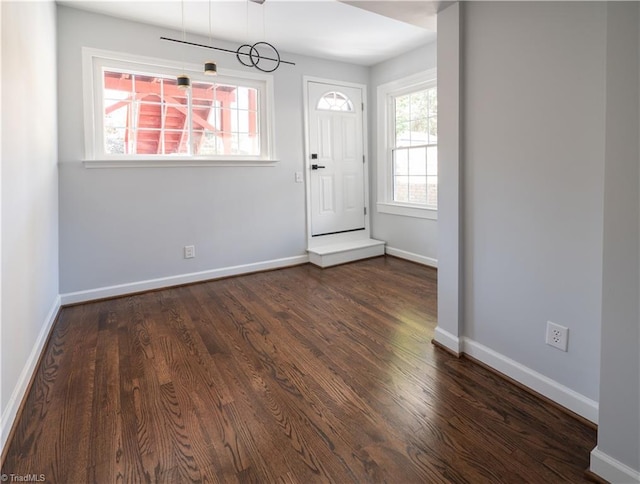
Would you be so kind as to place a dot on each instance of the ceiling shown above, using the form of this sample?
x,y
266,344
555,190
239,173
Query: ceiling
x,y
358,32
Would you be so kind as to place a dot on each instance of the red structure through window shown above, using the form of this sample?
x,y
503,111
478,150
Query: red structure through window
x,y
149,115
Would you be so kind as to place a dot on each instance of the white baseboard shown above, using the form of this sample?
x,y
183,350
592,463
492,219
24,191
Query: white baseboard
x,y
447,340
541,384
420,259
19,391
612,470
129,288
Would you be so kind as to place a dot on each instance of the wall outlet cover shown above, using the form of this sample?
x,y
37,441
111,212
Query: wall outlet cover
x,y
189,251
557,336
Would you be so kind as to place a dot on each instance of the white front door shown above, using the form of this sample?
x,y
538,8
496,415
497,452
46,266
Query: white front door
x,y
336,161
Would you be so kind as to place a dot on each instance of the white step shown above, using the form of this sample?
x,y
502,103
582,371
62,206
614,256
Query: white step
x,y
343,252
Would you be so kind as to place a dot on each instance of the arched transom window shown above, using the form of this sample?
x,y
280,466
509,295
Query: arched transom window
x,y
335,101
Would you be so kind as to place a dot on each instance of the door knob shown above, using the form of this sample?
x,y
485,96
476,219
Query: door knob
x,y
315,167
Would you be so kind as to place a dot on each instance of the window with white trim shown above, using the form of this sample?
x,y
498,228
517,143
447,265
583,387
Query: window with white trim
x,y
408,146
335,101
137,112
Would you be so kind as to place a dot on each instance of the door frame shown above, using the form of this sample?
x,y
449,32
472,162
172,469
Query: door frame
x,y
322,240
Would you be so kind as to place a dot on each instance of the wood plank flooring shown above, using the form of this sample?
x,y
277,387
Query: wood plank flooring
x,y
297,375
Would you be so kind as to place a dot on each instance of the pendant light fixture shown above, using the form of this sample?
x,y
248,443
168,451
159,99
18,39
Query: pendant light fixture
x,y
183,80
260,55
210,67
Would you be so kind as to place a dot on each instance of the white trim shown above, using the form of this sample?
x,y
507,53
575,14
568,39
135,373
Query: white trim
x,y
420,259
162,282
19,391
447,340
174,163
410,83
450,220
385,92
541,384
2,417
366,233
333,82
395,208
612,470
92,62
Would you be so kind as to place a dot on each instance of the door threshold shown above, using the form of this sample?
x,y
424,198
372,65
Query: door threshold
x,y
342,252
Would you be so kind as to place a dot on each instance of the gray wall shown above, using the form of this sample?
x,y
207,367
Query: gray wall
x,y
550,200
450,243
415,235
29,190
127,225
534,103
619,419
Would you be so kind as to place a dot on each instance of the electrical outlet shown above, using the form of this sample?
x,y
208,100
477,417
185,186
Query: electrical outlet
x,y
299,177
557,336
189,251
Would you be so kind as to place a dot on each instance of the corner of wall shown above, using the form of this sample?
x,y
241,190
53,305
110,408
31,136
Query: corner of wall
x,y
10,412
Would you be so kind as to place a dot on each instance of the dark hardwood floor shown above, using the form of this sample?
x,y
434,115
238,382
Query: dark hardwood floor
x,y
296,375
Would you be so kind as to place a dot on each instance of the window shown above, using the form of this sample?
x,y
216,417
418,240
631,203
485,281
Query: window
x,y
415,151
335,101
408,146
135,111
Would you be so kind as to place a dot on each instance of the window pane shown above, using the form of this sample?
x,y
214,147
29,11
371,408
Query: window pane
x,y
175,117
116,115
419,104
202,93
149,115
433,101
147,141
335,101
114,141
418,189
147,85
432,160
401,188
419,132
403,107
174,142
229,120
145,113
432,191
402,121
418,161
433,130
248,144
403,138
401,162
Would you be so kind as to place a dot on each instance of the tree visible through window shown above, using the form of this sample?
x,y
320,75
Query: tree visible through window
x,y
415,147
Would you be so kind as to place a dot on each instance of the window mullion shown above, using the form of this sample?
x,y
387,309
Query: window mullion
x,y
163,119
134,116
391,133
190,122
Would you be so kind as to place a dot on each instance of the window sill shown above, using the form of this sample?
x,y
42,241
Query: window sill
x,y
175,163
407,210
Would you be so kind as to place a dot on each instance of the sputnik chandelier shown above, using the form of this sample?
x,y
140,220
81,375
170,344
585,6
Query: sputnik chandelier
x,y
261,55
